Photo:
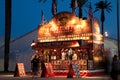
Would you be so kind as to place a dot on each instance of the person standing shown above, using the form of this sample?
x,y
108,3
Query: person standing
x,y
35,65
43,68
114,71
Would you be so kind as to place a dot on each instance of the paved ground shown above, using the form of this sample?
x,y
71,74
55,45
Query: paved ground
x,y
10,76
55,78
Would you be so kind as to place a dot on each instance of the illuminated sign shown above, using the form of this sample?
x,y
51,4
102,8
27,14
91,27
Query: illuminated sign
x,y
59,44
66,26
65,38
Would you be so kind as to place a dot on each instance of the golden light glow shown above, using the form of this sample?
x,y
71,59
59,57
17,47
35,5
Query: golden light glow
x,y
45,39
53,26
83,23
97,37
96,26
96,59
73,21
66,26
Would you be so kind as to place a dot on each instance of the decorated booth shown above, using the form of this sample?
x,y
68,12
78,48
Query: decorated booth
x,y
67,38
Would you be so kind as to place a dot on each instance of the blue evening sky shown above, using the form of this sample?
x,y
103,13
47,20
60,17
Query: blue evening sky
x,y
26,15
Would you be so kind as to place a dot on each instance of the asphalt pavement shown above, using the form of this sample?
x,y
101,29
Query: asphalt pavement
x,y
54,78
10,76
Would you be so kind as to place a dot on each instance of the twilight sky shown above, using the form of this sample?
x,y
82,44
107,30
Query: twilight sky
x,y
26,15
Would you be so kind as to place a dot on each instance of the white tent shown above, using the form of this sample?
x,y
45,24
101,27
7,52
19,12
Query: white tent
x,y
111,45
20,51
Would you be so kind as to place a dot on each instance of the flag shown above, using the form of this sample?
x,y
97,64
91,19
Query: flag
x,y
42,18
54,7
90,15
74,5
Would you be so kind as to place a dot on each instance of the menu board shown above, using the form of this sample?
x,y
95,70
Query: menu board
x,y
49,69
20,70
90,64
76,70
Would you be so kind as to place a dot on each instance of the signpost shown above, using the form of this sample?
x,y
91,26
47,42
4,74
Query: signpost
x,y
20,70
49,69
90,65
76,70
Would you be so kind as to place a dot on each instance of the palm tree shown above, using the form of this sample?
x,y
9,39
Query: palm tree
x,y
54,6
80,5
103,5
7,33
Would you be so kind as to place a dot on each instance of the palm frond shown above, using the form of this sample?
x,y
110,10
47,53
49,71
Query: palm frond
x,y
96,10
42,0
81,2
108,10
108,4
103,5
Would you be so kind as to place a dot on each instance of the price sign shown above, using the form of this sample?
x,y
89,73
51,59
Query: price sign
x,y
49,69
76,70
20,70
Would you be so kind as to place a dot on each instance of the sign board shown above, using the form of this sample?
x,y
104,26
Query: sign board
x,y
76,70
49,69
59,44
90,64
20,70
64,26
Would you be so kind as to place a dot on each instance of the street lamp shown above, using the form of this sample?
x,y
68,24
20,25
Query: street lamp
x,y
106,34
